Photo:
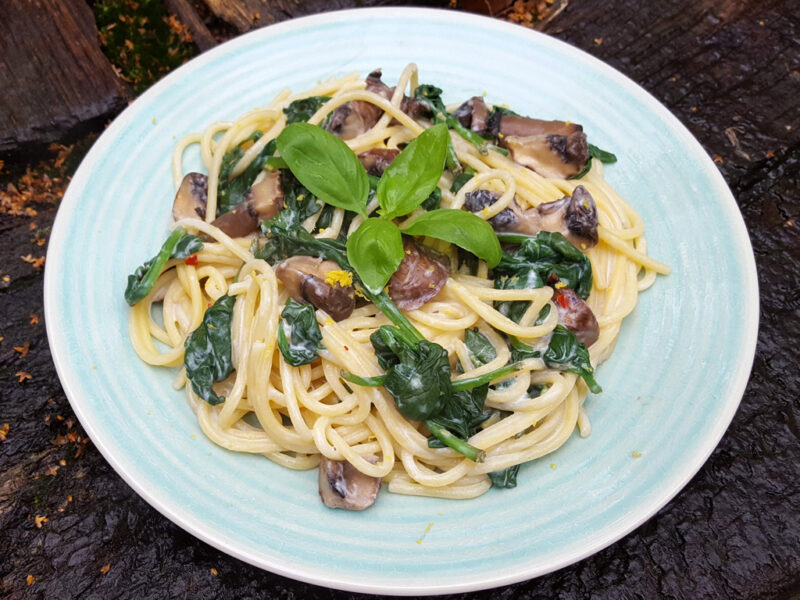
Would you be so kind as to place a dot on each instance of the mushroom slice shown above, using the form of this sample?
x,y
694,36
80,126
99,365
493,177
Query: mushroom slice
x,y
420,276
341,485
262,201
376,161
474,114
354,118
551,148
304,278
190,200
574,216
576,315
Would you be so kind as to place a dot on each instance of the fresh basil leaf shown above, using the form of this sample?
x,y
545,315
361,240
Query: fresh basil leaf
x,y
505,479
325,165
461,228
481,350
413,175
565,352
302,110
299,337
179,244
208,350
375,251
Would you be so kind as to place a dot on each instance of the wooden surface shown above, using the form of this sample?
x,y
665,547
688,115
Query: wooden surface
x,y
55,82
729,70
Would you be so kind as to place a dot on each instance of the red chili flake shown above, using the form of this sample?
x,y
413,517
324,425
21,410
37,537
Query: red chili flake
x,y
563,301
34,319
22,375
23,350
191,260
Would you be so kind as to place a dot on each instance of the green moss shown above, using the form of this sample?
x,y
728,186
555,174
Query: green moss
x,y
142,40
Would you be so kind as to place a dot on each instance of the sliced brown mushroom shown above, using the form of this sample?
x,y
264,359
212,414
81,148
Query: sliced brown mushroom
x,y
474,114
354,118
420,276
190,200
304,279
576,315
341,485
262,201
574,216
376,160
551,148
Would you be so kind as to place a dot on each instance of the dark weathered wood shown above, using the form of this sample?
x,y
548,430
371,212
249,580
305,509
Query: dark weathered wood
x,y
730,70
186,13
245,15
55,81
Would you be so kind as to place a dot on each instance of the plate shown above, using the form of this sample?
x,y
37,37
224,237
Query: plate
x,y
671,387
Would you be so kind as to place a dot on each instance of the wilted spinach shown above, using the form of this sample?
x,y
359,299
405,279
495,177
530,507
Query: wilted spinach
x,y
567,353
179,244
603,156
231,190
207,355
534,261
564,352
302,110
505,479
481,350
299,337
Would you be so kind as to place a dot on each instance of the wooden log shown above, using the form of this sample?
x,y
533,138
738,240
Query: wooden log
x,y
245,15
187,15
56,82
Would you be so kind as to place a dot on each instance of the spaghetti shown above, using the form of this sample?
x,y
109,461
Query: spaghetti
x,y
299,415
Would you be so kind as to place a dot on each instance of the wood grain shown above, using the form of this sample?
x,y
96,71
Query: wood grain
x,y
55,81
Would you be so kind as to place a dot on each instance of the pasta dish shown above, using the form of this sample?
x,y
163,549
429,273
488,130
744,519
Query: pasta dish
x,y
393,290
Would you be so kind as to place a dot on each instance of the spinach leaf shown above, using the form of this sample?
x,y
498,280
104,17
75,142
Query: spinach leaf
x,y
375,251
461,414
480,348
179,244
231,191
567,353
546,254
413,175
299,337
388,343
604,156
302,110
505,479
520,350
300,203
433,201
325,165
462,179
208,350
461,228
420,382
444,436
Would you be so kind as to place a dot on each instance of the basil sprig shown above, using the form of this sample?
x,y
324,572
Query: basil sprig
x,y
413,175
325,165
375,251
331,171
460,228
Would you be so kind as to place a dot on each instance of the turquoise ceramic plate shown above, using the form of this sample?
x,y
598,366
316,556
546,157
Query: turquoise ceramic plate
x,y
671,388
